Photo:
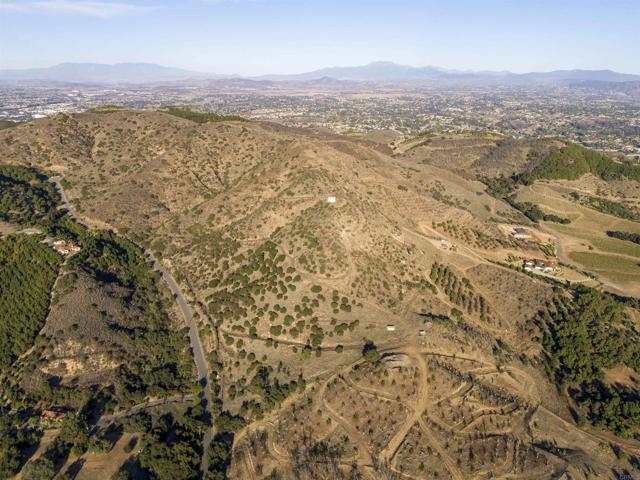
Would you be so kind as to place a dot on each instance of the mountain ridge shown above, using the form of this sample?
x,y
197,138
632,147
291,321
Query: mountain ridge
x,y
389,71
382,71
129,72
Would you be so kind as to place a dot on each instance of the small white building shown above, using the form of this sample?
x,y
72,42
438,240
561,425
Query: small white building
x,y
332,199
391,328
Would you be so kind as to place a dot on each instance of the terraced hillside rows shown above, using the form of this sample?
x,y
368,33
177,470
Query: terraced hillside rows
x,y
388,334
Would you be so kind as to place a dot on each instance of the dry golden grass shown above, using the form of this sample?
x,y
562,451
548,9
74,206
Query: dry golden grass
x,y
238,213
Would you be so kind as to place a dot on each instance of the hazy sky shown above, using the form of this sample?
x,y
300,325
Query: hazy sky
x,y
277,36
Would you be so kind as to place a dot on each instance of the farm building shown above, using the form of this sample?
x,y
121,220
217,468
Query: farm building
x,y
54,414
545,266
65,248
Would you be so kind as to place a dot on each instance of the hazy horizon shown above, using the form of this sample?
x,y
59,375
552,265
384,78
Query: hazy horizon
x,y
330,66
259,37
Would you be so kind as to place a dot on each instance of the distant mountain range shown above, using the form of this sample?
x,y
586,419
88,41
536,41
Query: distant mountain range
x,y
385,72
103,73
389,71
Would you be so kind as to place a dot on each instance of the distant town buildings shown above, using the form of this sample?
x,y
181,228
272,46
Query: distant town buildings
x,y
609,124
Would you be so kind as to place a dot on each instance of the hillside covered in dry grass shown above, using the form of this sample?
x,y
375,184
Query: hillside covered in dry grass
x,y
362,306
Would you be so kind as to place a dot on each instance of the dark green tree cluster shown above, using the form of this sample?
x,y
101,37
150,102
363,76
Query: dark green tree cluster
x,y
569,162
500,186
504,188
219,456
26,197
172,448
611,207
628,236
617,409
535,213
370,352
200,117
13,443
112,259
584,335
271,392
225,422
41,468
573,161
139,422
73,438
589,333
28,270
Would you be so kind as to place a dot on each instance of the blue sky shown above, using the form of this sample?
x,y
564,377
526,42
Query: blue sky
x,y
287,36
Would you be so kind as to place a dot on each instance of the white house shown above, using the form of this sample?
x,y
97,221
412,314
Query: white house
x,y
332,199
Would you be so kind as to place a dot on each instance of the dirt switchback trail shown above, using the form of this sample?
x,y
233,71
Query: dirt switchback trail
x,y
194,336
418,408
363,448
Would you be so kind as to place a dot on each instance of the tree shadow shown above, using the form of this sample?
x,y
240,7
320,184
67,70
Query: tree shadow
x,y
133,470
74,469
113,433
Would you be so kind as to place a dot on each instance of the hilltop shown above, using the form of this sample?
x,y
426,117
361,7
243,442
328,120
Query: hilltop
x,y
362,304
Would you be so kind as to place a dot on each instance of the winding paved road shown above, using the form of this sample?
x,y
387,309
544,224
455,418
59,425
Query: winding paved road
x,y
198,352
194,336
